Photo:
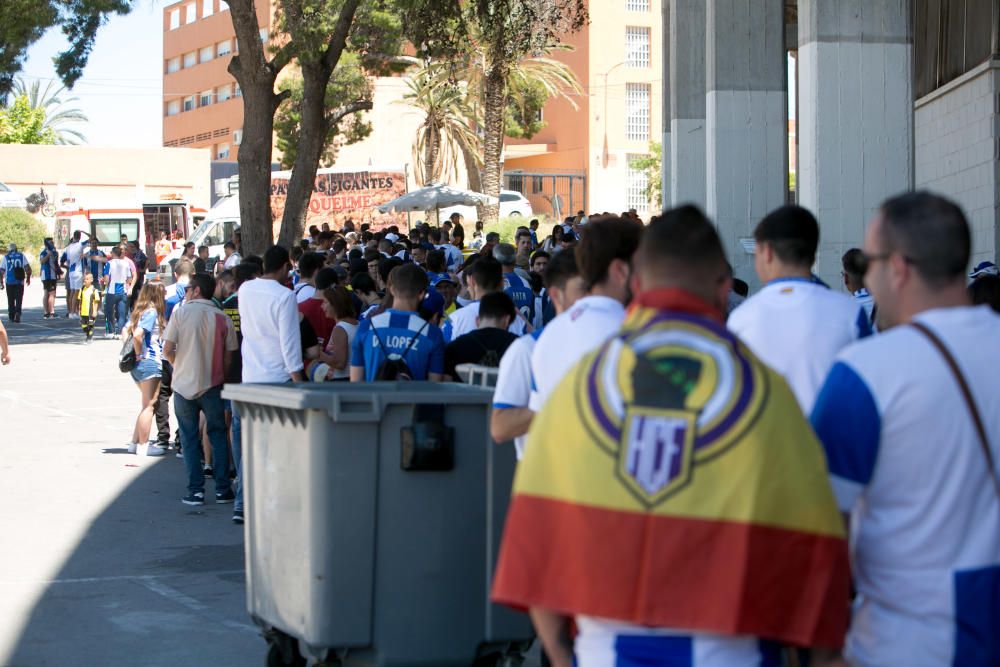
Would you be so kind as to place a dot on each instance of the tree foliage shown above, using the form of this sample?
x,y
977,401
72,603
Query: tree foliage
x,y
23,22
652,165
60,117
20,123
349,82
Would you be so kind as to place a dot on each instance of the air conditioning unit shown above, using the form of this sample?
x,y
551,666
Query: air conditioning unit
x,y
237,137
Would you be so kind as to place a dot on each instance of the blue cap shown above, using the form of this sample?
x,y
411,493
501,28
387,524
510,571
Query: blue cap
x,y
433,303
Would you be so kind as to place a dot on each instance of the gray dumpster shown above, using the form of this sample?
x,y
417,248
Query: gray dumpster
x,y
374,516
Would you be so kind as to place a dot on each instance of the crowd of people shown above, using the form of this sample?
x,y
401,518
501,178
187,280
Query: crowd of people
x,y
687,451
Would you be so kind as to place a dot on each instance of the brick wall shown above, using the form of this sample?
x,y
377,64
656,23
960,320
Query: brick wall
x,y
957,151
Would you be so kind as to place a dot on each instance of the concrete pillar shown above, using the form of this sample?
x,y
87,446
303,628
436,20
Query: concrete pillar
x,y
665,89
746,119
687,101
855,120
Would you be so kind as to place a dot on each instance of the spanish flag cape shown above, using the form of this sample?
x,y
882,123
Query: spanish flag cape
x,y
672,481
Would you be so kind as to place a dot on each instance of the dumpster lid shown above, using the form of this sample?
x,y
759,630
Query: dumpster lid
x,y
355,401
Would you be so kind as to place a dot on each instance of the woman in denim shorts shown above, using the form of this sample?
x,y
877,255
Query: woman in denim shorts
x,y
145,326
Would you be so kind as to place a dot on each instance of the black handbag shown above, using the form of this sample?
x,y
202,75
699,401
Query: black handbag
x,y
126,358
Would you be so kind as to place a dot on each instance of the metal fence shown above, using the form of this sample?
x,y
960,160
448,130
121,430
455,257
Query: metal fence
x,y
554,194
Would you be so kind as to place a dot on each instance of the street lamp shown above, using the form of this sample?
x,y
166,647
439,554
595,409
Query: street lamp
x,y
604,154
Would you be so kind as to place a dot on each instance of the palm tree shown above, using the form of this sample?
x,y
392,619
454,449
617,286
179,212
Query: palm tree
x,y
446,132
58,114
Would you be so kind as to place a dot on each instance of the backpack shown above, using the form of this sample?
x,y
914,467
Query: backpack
x,y
395,369
490,358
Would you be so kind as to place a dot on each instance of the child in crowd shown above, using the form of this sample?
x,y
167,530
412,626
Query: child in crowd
x,y
90,300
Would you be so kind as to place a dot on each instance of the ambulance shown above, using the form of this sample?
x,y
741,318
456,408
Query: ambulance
x,y
142,222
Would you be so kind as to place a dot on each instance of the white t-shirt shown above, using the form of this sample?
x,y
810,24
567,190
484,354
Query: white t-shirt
x,y
463,321
232,261
797,327
513,388
905,459
304,292
119,273
74,252
567,338
269,322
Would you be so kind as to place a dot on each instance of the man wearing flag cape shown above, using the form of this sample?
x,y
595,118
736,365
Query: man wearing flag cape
x,y
673,501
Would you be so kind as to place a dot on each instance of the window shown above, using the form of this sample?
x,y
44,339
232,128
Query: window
x,y
205,98
223,152
222,93
236,90
637,46
206,54
263,35
191,59
223,6
636,182
506,198
175,19
637,5
207,8
190,13
173,65
109,232
189,103
637,111
222,48
237,137
173,107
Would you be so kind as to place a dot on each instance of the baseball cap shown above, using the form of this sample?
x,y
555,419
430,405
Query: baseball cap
x,y
392,238
443,278
433,303
984,269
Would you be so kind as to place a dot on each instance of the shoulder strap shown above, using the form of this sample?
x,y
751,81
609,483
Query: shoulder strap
x,y
970,402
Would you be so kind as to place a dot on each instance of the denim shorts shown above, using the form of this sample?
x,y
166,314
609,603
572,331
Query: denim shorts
x,y
146,369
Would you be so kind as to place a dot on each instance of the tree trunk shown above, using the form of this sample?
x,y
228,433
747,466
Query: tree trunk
x,y
313,129
493,132
475,178
255,75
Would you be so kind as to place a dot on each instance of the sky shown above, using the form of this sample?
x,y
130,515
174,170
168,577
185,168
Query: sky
x,y
122,86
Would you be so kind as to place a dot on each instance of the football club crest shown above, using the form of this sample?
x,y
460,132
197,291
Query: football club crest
x,y
656,452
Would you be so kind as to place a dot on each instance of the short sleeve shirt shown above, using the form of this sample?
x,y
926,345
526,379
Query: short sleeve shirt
x,y
398,330
513,388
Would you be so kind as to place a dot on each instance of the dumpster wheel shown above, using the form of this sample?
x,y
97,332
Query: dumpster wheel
x,y
283,650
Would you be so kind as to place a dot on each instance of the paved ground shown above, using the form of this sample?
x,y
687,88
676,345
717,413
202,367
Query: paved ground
x,y
100,563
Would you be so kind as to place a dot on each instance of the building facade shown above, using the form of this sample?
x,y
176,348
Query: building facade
x,y
583,159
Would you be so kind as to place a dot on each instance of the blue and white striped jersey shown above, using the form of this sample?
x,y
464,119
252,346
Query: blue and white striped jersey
x,y
11,261
397,329
521,294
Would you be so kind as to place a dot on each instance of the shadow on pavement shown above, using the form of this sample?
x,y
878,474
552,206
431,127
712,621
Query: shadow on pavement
x,y
152,582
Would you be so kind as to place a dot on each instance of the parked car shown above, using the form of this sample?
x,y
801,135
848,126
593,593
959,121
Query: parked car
x,y
512,205
10,199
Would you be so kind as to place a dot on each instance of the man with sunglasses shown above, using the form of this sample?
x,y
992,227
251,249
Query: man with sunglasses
x,y
795,324
910,421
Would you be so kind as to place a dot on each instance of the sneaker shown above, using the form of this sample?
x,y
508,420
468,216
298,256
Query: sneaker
x,y
150,449
133,447
238,516
207,470
197,498
225,497
179,454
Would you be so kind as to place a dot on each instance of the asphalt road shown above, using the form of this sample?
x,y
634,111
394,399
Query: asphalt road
x,y
100,562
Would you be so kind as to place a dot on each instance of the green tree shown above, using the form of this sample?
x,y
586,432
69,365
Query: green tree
x,y
512,31
23,22
59,114
22,124
349,81
652,165
446,131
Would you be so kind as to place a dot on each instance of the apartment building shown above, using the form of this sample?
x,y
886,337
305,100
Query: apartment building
x,y
201,100
584,159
